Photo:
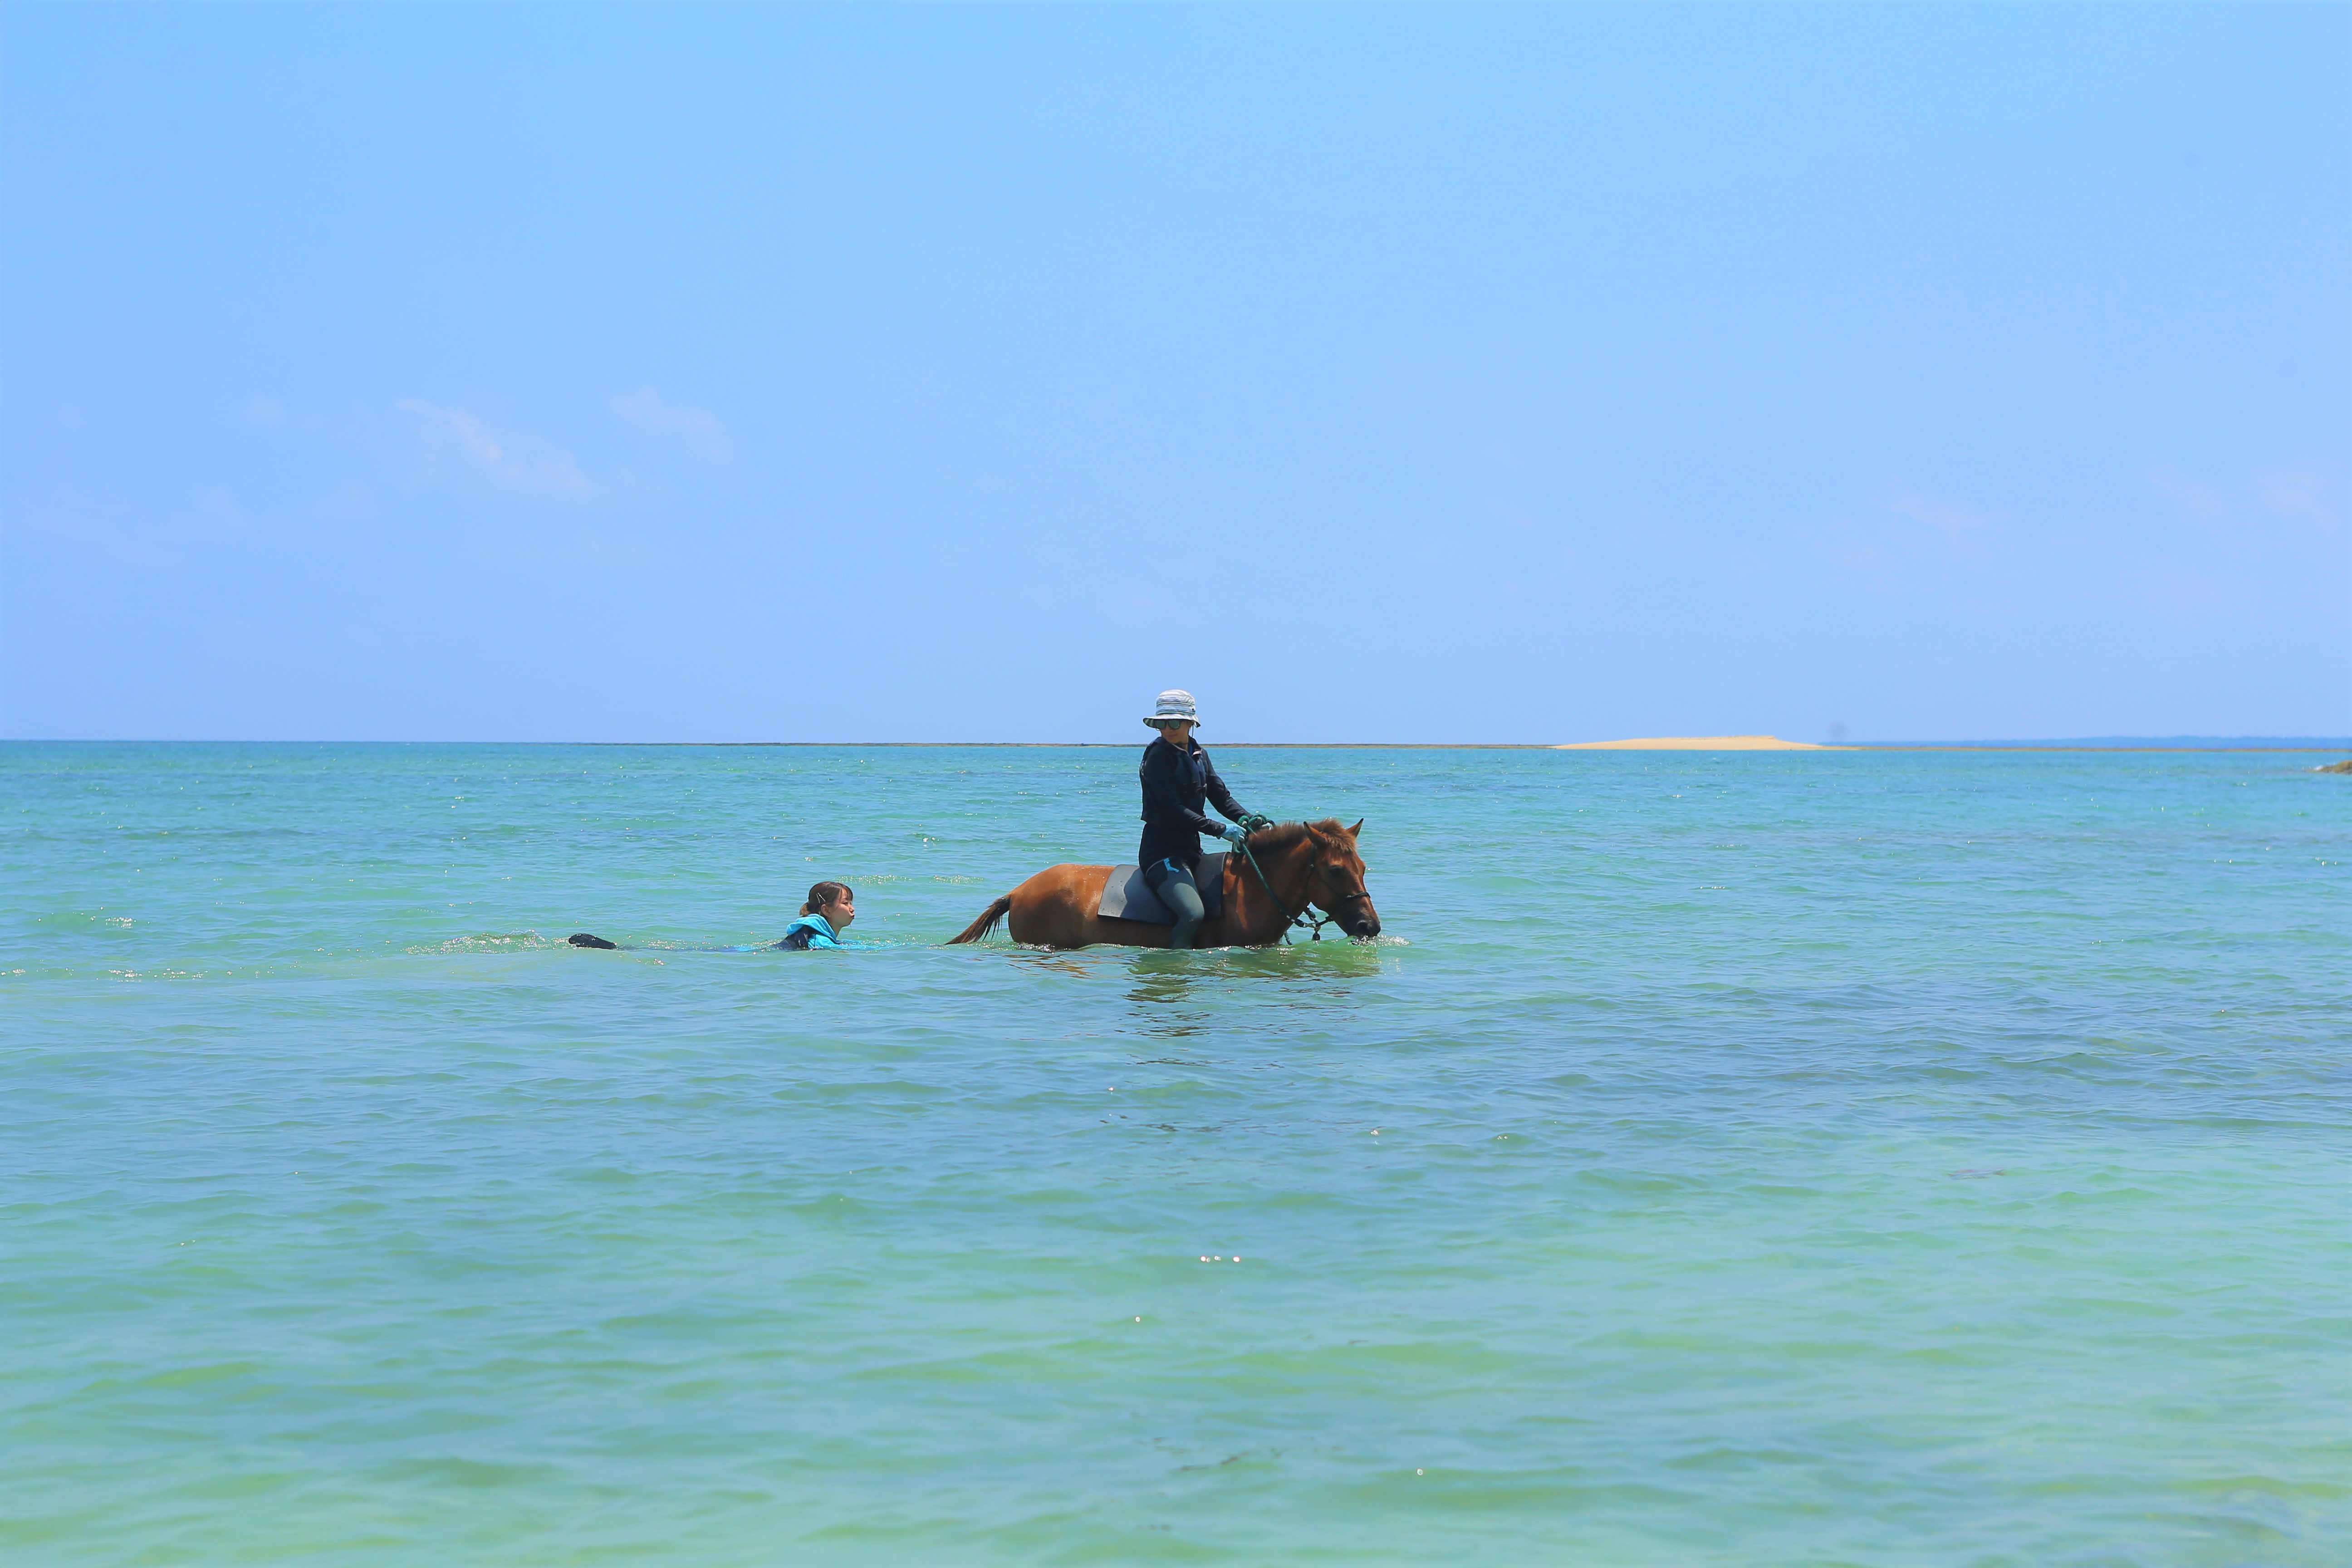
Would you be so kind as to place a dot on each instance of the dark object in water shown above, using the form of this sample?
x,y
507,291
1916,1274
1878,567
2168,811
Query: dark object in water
x,y
2345,767
582,939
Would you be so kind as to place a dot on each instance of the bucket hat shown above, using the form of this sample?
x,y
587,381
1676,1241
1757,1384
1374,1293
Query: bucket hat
x,y
1174,705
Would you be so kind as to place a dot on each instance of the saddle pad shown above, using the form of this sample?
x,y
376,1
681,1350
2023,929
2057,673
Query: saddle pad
x,y
1125,897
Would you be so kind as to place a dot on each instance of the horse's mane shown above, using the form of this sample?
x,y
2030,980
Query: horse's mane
x,y
1284,835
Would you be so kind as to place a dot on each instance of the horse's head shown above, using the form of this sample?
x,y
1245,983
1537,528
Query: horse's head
x,y
1336,885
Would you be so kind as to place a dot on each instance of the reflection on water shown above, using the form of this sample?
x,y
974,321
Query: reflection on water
x,y
1178,993
1164,991
1051,960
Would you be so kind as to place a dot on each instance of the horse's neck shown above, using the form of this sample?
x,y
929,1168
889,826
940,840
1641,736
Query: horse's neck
x,y
1278,891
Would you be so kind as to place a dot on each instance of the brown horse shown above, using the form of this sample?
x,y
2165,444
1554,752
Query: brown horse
x,y
1306,862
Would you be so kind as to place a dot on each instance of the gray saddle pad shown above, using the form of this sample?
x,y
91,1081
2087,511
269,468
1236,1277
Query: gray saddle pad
x,y
1127,898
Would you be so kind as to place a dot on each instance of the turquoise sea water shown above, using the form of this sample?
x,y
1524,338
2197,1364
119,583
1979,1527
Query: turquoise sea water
x,y
1835,1158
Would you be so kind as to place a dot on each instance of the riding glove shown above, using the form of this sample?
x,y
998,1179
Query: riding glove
x,y
1253,822
1233,834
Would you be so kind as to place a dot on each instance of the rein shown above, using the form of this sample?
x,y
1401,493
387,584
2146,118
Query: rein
x,y
1306,910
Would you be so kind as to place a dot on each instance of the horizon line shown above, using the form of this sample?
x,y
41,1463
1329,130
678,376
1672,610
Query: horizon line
x,y
2085,743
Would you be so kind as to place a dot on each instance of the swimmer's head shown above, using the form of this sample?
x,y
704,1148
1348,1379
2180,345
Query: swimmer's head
x,y
835,901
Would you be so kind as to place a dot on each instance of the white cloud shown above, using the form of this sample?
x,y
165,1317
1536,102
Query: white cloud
x,y
2302,493
1957,520
522,461
698,427
217,507
2196,500
1512,515
350,501
2298,493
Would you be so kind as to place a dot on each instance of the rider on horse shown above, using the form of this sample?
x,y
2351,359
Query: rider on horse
x,y
1178,780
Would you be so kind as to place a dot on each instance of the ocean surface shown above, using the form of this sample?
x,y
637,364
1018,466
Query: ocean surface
x,y
1860,1157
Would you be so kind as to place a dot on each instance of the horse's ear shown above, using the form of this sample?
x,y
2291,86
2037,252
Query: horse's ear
x,y
1357,830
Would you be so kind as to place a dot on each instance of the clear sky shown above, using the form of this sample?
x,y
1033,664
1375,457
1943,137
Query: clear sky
x,y
1524,373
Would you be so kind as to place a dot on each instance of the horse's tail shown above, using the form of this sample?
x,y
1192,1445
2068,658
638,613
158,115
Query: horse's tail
x,y
986,923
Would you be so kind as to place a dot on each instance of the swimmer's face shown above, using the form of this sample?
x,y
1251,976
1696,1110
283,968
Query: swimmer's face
x,y
840,913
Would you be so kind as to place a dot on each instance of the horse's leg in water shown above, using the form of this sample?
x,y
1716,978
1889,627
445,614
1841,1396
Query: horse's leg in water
x,y
1177,889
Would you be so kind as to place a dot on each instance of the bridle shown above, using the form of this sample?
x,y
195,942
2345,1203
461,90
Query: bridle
x,y
1306,911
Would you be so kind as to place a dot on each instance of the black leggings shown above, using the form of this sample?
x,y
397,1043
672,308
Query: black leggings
x,y
1172,881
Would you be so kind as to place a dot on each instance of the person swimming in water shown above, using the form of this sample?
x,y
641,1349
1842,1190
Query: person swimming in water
x,y
831,907
1178,780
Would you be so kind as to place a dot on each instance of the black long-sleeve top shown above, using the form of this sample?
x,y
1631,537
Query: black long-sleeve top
x,y
1176,783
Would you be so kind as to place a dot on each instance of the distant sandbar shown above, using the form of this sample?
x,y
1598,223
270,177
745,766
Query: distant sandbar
x,y
1699,743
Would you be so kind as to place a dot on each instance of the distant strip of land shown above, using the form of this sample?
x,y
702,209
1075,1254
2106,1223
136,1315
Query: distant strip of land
x,y
1654,743
1658,744
1699,743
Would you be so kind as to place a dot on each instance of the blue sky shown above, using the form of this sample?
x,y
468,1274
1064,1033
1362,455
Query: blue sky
x,y
1525,373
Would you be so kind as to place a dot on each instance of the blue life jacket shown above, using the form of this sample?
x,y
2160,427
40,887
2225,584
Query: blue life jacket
x,y
809,930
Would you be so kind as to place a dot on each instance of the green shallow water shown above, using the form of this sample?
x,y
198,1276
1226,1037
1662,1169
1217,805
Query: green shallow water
x,y
1870,1158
